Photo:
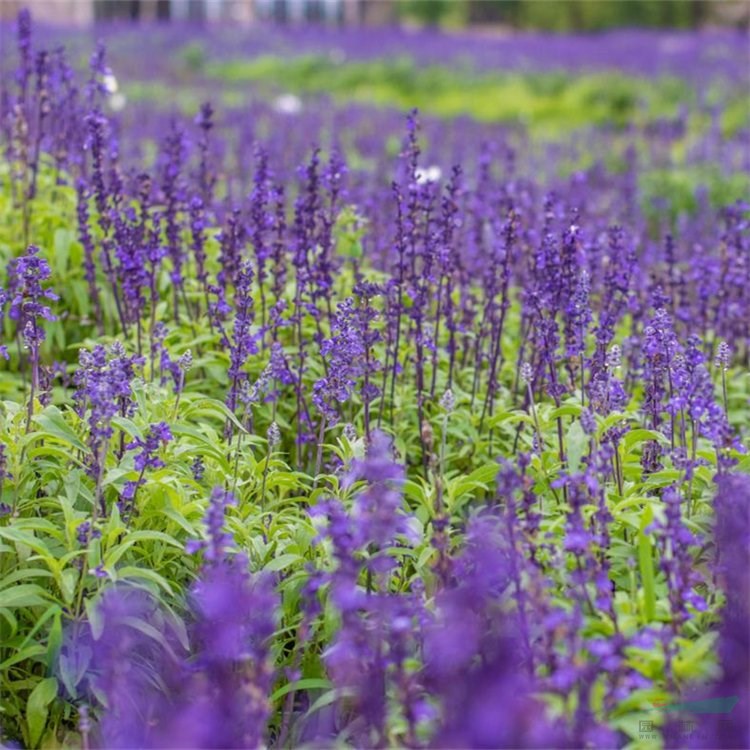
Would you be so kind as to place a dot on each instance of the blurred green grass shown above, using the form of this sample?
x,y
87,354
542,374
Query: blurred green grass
x,y
544,102
548,104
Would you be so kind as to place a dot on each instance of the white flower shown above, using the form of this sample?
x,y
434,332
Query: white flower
x,y
448,401
273,435
288,104
117,102
428,174
527,374
110,82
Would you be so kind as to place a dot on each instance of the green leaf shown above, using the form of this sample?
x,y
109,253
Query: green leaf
x,y
219,409
96,621
636,437
129,427
478,479
145,574
646,565
282,561
30,652
19,575
309,683
37,708
55,638
53,423
689,664
68,581
62,242
114,555
414,490
326,699
576,443
25,595
568,410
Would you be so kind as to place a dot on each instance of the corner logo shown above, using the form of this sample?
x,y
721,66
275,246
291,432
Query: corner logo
x,y
708,706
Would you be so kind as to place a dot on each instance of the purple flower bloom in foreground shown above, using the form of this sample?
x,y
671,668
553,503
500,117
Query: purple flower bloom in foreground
x,y
215,694
473,655
732,566
377,632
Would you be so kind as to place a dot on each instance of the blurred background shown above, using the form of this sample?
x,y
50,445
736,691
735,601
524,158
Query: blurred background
x,y
548,15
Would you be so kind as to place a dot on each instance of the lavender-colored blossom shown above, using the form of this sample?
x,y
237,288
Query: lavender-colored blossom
x,y
198,468
158,435
206,179
731,565
27,306
218,541
676,561
243,340
376,632
87,241
723,355
104,389
345,353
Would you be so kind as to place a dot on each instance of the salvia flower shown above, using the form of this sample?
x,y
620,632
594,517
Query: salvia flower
x,y
448,401
677,562
376,637
243,342
731,563
723,356
158,435
345,352
185,362
527,374
147,457
273,435
27,306
198,468
217,542
104,389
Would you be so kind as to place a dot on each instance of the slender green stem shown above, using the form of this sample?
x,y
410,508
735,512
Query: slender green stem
x,y
319,454
179,394
534,416
236,462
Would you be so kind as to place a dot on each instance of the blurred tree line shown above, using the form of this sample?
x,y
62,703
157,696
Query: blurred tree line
x,y
571,15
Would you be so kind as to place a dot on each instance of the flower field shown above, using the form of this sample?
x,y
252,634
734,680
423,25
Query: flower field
x,y
381,389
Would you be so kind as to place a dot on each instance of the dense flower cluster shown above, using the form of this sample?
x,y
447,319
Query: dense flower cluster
x,y
420,441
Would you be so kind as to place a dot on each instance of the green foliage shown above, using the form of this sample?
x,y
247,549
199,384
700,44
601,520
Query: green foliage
x,y
193,57
676,191
552,100
586,15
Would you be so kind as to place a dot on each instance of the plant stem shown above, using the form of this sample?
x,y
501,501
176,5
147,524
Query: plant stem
x,y
179,393
319,454
236,462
